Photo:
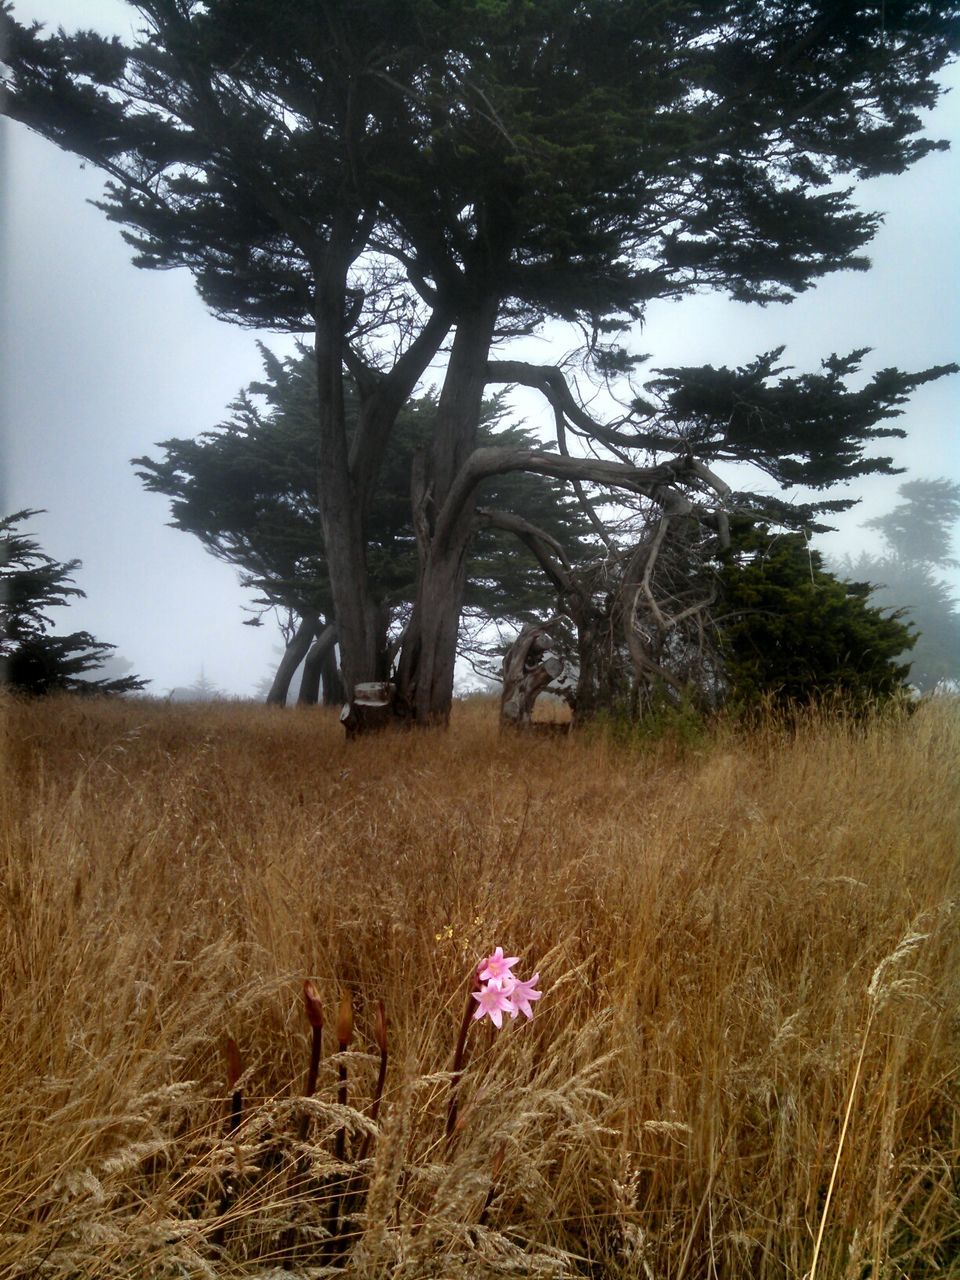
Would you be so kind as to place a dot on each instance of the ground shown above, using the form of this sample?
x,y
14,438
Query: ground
x,y
743,1063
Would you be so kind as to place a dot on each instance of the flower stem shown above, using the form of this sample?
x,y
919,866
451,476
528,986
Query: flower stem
x,y
234,1072
459,1059
314,1012
344,1037
354,1191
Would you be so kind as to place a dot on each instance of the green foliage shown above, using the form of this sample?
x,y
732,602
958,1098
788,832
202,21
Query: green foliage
x,y
919,596
247,490
806,429
679,726
32,660
792,633
581,159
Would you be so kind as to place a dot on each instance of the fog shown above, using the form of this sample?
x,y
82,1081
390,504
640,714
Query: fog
x,y
100,361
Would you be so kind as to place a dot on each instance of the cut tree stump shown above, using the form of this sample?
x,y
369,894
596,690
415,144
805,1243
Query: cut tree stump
x,y
528,667
371,708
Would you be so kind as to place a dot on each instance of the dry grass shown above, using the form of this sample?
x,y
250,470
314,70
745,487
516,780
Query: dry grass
x,y
744,1063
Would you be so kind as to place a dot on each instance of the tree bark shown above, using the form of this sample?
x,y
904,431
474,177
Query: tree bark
x,y
340,511
293,656
333,693
316,666
429,653
527,670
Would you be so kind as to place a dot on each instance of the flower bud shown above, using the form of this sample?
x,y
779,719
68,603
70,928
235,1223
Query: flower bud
x,y
314,1008
345,1020
234,1064
380,1027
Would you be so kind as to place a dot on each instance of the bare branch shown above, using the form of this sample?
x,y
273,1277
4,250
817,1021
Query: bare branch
x,y
556,565
550,382
585,504
655,482
652,552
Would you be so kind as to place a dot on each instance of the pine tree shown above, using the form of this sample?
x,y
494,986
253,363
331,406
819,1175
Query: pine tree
x,y
32,659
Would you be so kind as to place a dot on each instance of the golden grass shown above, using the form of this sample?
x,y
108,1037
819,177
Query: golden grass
x,y
744,1064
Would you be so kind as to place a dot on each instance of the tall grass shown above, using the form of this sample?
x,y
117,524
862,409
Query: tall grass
x,y
744,1063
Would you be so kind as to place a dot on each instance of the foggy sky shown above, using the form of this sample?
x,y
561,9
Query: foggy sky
x,y
100,360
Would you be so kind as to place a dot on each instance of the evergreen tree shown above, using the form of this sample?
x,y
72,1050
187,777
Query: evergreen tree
x,y
246,491
32,660
921,530
919,542
202,690
792,633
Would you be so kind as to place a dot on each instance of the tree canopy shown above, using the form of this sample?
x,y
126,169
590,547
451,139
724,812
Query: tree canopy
x,y
922,528
649,151
792,633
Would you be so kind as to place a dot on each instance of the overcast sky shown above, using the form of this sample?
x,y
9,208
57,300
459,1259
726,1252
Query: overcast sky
x,y
99,361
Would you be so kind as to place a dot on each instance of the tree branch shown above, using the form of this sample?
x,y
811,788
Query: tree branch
x,y
556,565
655,482
550,382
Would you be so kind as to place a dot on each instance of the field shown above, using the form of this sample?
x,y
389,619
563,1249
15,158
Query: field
x,y
744,1063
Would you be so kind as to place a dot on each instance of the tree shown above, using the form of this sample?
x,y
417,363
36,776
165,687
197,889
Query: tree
x,y
677,213
243,141
918,537
246,491
921,530
32,660
670,618
643,616
379,172
792,633
202,690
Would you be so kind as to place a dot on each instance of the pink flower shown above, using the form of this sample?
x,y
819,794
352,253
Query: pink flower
x,y
498,966
494,1001
521,993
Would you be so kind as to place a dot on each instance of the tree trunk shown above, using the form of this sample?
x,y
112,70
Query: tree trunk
x,y
293,656
587,699
315,664
341,515
527,670
429,654
371,708
333,693
347,475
